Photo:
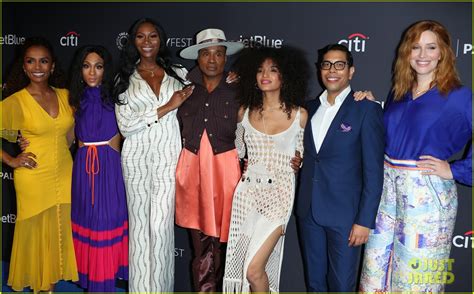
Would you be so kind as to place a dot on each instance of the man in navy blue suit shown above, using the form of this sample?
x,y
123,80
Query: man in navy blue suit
x,y
341,177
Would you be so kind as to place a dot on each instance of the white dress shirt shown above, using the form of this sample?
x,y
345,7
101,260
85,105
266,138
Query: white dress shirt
x,y
325,114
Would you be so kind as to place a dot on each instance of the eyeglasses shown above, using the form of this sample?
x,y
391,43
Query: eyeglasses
x,y
338,65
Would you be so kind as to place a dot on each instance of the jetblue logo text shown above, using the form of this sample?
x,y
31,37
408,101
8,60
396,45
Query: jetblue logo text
x,y
11,39
70,39
355,42
260,41
9,218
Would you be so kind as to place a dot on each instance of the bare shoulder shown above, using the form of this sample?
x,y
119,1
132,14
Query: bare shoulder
x,y
241,114
303,117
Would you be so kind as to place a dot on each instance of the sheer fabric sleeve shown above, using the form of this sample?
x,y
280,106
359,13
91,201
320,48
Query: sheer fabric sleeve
x,y
11,114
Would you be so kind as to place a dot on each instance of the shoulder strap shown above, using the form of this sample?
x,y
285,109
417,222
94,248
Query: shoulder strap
x,y
298,117
246,115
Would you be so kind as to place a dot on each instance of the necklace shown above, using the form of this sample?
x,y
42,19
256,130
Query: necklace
x,y
419,93
152,72
269,109
272,108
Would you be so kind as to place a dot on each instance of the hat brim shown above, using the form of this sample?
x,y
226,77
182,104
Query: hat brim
x,y
192,52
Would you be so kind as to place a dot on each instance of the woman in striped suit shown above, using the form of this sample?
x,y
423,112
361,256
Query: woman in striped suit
x,y
150,89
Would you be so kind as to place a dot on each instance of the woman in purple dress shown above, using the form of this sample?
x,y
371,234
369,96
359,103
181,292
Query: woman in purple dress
x,y
99,209
428,119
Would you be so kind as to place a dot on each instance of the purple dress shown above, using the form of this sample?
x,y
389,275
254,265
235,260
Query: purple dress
x,y
99,209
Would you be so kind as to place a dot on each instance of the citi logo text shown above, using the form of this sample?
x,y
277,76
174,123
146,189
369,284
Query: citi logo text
x,y
463,241
355,42
70,39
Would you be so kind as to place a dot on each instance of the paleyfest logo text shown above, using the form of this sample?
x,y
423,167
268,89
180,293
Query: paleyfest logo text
x,y
463,49
121,40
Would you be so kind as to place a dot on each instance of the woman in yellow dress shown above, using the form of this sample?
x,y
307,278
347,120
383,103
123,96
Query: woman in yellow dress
x,y
42,250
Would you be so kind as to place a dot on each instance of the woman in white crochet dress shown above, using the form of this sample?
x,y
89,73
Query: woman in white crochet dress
x,y
273,85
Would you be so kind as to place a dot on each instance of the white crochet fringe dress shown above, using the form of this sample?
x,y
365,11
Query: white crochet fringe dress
x,y
263,201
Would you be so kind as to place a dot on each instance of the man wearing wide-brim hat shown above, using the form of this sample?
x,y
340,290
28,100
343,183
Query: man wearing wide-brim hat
x,y
208,168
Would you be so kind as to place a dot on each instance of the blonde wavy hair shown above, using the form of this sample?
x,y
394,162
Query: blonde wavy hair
x,y
446,76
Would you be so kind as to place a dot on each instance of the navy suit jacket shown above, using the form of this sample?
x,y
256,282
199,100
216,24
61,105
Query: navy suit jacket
x,y
342,183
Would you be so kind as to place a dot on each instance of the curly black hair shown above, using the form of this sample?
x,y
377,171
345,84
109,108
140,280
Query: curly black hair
x,y
294,70
130,55
17,79
76,84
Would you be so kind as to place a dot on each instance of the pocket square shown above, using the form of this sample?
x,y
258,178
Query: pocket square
x,y
345,128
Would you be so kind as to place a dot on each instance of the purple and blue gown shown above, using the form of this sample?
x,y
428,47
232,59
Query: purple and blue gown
x,y
99,209
409,248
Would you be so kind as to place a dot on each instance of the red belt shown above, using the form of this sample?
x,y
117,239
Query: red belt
x,y
92,162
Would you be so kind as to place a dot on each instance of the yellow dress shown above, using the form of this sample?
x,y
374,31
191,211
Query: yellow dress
x,y
42,250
